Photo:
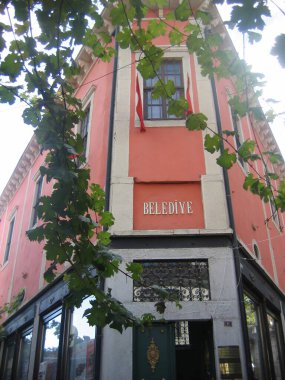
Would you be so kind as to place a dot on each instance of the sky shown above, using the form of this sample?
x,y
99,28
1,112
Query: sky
x,y
15,135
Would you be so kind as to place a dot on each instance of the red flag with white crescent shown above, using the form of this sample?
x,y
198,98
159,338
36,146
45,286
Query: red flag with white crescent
x,y
188,98
139,106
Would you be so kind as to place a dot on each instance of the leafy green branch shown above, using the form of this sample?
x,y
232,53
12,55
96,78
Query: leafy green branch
x,y
73,221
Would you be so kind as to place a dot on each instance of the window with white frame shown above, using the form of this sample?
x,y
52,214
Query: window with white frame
x,y
156,109
239,139
84,129
38,192
9,239
273,208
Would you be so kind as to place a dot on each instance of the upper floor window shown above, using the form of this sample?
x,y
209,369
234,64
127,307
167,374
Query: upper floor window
x,y
256,251
274,212
38,192
84,129
238,135
170,69
9,239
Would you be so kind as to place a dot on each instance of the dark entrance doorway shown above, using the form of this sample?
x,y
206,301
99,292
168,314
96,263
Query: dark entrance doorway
x,y
194,350
181,350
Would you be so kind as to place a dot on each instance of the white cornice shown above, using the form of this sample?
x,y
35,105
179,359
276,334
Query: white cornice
x,y
22,168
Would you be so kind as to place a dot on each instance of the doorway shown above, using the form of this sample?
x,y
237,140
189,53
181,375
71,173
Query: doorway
x,y
181,350
194,352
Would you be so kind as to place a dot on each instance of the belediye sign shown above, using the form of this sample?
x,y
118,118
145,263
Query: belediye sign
x,y
167,208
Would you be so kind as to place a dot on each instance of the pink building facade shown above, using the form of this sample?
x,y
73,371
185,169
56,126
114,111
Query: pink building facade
x,y
190,223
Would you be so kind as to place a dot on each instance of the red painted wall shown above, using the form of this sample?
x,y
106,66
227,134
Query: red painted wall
x,y
25,265
169,156
173,206
250,213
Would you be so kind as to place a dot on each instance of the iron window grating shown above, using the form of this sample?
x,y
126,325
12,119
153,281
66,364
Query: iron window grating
x,y
189,279
182,333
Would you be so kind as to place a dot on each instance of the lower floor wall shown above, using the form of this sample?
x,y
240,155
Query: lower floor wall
x,y
210,336
209,303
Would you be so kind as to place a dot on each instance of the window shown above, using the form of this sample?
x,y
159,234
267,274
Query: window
x,y
274,212
84,128
81,350
38,192
273,209
256,251
254,335
50,346
9,239
66,335
264,338
24,354
188,279
238,135
8,358
170,69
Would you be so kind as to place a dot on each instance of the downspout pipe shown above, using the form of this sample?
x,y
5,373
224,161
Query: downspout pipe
x,y
99,330
234,240
111,126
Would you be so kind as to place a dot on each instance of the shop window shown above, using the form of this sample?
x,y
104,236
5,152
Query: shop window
x,y
9,239
50,346
275,342
188,280
254,335
264,335
9,353
81,345
155,109
24,354
65,346
38,192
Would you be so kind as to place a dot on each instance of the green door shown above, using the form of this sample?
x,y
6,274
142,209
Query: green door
x,y
154,352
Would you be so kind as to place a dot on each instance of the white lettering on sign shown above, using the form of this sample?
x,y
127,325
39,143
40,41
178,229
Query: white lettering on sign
x,y
167,208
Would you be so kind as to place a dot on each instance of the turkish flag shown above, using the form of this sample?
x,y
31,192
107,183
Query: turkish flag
x,y
188,98
139,106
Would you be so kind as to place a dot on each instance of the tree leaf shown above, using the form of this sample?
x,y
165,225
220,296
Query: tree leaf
x,y
135,269
177,107
196,122
212,143
226,159
279,49
253,37
246,149
183,11
162,89
156,28
175,37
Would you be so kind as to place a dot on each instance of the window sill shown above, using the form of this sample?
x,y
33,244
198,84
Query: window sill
x,y
161,123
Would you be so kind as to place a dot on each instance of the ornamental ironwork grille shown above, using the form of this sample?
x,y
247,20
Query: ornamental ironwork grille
x,y
188,279
182,333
